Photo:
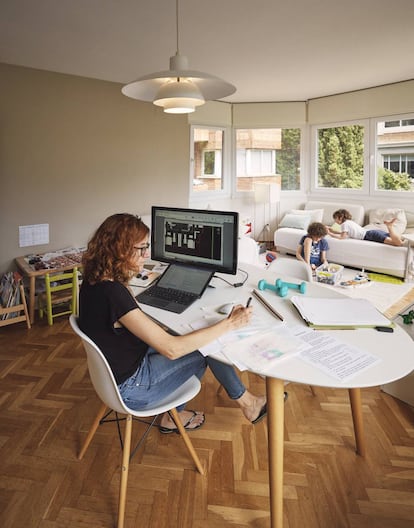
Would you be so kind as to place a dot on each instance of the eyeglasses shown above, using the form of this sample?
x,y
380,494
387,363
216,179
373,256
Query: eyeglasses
x,y
142,250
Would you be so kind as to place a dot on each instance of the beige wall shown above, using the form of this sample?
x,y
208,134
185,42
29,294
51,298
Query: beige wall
x,y
74,150
386,100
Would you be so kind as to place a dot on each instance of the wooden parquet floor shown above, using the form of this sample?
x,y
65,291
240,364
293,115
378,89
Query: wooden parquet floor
x,y
47,404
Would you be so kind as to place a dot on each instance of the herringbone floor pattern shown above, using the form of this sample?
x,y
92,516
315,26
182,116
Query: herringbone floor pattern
x,y
47,405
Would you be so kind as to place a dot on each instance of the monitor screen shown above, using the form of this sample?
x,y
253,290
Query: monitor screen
x,y
203,238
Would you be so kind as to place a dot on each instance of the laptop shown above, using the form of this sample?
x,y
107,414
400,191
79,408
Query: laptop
x,y
178,288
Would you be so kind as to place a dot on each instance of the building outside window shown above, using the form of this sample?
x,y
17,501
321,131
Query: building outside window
x,y
262,154
207,150
395,155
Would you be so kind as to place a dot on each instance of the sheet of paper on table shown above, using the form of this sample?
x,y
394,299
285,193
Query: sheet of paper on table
x,y
335,358
256,326
261,351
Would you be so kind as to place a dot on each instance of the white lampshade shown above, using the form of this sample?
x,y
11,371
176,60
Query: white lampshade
x,y
179,97
185,89
178,90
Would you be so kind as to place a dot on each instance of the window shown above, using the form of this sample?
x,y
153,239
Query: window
x,y
399,163
342,153
207,159
340,157
394,144
399,123
212,163
261,154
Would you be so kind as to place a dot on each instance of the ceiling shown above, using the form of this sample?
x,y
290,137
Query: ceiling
x,y
271,50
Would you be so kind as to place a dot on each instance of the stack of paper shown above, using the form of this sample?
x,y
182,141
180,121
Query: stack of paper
x,y
339,312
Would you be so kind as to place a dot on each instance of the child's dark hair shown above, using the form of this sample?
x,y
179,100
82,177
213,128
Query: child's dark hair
x,y
317,229
343,214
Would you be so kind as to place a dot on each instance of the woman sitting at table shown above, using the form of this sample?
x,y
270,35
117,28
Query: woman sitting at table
x,y
148,363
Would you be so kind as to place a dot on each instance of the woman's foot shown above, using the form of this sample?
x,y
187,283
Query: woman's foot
x,y
189,419
253,407
390,222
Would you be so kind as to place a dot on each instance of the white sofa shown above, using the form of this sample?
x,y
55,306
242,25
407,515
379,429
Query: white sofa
x,y
372,256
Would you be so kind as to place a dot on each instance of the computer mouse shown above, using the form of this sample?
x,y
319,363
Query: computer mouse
x,y
226,309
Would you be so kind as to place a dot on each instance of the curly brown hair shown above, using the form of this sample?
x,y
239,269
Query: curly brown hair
x,y
341,215
317,229
110,253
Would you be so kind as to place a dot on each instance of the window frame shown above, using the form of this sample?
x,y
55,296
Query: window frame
x,y
225,191
314,158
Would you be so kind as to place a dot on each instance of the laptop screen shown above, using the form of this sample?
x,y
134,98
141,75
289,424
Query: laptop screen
x,y
185,278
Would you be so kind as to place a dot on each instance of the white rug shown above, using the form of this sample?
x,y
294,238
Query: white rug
x,y
381,294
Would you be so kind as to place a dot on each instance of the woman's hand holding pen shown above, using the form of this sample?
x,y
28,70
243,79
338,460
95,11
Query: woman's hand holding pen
x,y
240,315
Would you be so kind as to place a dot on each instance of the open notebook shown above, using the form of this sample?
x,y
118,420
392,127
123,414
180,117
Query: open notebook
x,y
177,288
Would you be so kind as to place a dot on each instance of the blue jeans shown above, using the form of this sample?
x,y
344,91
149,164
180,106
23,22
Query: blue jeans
x,y
158,376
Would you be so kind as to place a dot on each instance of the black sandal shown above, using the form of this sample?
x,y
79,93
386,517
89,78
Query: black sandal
x,y
168,430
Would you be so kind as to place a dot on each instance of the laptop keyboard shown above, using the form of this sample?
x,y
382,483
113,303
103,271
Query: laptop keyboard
x,y
169,294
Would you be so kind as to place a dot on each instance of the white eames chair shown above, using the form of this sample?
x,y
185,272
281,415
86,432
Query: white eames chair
x,y
106,388
291,267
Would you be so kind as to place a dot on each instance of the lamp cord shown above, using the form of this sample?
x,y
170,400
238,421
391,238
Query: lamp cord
x,y
176,25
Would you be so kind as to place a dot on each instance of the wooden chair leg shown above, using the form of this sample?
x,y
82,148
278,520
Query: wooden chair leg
x,y
92,430
220,389
187,440
124,471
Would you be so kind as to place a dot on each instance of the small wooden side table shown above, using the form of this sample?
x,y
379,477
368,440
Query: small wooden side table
x,y
28,270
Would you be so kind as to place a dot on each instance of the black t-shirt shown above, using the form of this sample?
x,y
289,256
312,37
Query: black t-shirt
x,y
100,305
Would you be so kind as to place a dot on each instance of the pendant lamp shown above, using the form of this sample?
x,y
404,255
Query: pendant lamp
x,y
178,90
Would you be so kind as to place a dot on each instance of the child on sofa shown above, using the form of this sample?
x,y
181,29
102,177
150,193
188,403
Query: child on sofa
x,y
313,246
350,229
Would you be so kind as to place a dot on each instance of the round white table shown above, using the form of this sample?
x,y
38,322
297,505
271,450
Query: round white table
x,y
396,351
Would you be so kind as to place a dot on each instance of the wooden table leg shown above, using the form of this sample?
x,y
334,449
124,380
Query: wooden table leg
x,y
356,407
275,421
32,292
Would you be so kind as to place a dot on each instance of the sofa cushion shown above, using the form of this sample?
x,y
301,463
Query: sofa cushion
x,y
297,221
376,219
357,211
316,215
410,219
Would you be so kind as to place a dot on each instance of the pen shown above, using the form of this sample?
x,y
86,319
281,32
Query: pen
x,y
249,300
267,305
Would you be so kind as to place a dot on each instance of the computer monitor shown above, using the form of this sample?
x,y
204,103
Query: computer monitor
x,y
202,238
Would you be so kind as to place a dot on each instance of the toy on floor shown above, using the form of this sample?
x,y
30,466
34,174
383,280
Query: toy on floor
x,y
281,287
408,318
358,280
270,256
